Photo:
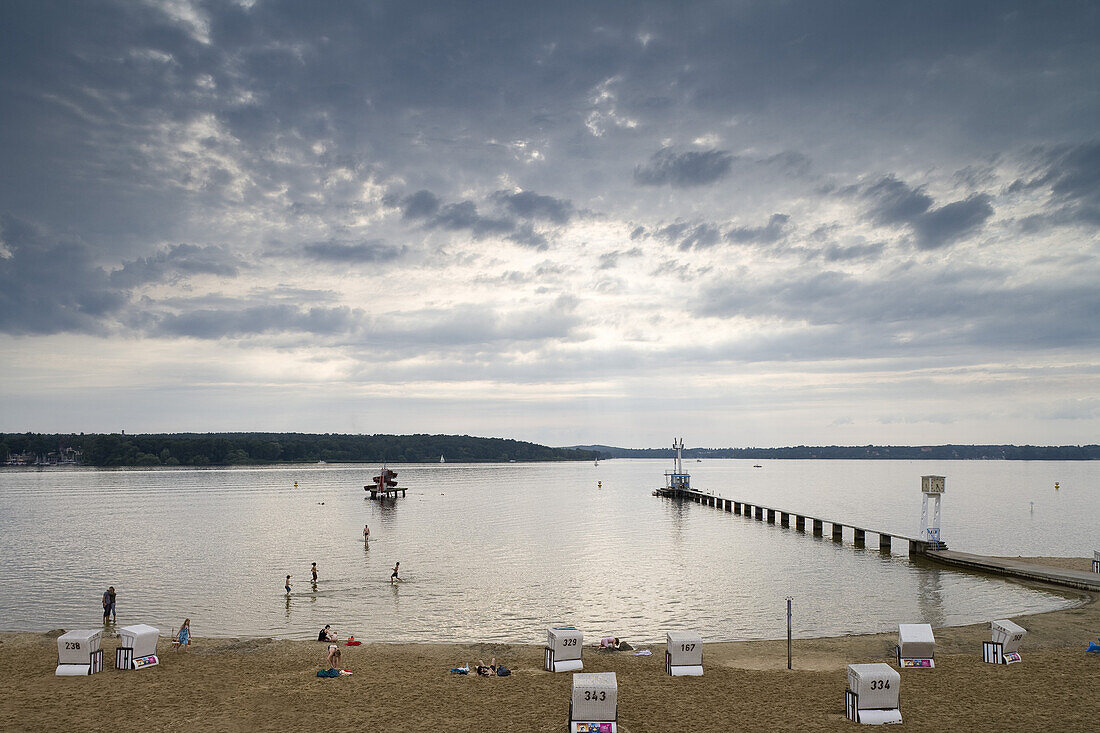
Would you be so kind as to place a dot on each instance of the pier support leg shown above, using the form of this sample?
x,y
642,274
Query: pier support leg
x,y
784,519
771,516
729,505
736,507
800,522
817,528
838,532
858,537
884,543
759,513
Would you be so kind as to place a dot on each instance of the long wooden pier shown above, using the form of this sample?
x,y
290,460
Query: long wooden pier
x,y
981,563
801,520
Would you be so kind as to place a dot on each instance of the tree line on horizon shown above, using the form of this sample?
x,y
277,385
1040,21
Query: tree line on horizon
x,y
220,449
893,452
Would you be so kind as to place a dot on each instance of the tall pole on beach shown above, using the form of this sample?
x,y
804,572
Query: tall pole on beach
x,y
789,599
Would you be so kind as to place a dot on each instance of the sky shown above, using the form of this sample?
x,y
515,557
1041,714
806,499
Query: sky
x,y
740,223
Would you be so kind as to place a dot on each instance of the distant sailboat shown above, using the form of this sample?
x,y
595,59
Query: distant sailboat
x,y
441,460
597,461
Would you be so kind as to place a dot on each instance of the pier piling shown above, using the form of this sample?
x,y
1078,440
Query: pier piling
x,y
771,516
858,537
817,527
884,542
838,532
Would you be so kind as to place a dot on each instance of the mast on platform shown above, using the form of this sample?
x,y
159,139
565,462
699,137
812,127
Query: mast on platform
x,y
677,479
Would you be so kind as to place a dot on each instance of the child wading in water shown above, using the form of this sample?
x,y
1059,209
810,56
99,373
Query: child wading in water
x,y
393,575
287,586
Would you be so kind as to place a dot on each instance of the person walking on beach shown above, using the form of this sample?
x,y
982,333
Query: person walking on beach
x,y
314,571
393,575
287,586
366,533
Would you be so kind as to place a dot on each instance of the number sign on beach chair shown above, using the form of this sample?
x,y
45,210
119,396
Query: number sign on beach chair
x,y
1006,641
563,649
594,707
684,654
78,653
873,694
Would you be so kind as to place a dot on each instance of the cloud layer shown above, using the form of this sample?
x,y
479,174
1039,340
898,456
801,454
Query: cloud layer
x,y
851,212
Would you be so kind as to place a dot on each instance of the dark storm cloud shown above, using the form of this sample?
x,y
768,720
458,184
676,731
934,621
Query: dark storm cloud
x,y
952,222
680,170
526,236
464,216
51,285
181,260
891,202
371,251
773,231
1072,176
530,205
419,205
911,308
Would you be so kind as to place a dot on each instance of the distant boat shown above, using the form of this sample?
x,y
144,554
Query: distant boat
x,y
757,466
442,460
597,461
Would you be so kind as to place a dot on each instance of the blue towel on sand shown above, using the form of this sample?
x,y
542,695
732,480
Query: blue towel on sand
x,y
328,673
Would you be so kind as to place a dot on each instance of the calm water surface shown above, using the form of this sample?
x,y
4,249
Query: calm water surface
x,y
499,552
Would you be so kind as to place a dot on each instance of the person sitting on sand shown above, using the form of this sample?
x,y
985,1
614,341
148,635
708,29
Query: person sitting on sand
x,y
326,634
183,636
609,642
333,657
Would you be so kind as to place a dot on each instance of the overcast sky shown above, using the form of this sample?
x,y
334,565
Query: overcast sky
x,y
742,223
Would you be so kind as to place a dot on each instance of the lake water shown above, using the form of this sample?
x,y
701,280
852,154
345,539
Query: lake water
x,y
499,552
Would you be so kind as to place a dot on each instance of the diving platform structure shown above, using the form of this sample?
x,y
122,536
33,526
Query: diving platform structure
x,y
677,481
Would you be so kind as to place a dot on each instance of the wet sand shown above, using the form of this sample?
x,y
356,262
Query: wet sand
x,y
267,685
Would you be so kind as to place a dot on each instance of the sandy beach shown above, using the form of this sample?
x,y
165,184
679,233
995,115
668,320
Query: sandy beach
x,y
269,685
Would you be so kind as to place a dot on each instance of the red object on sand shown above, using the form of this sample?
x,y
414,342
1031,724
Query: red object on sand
x,y
353,643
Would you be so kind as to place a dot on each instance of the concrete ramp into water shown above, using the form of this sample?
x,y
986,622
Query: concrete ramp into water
x,y
1018,569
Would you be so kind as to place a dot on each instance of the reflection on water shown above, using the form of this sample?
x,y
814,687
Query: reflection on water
x,y
499,552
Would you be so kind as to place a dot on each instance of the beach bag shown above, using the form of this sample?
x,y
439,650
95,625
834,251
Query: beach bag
x,y
503,671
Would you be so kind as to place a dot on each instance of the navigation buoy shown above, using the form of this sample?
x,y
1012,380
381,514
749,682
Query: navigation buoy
x,y
295,484
1056,485
599,484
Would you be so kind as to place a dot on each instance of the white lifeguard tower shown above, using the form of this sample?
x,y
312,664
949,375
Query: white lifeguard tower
x,y
931,488
677,479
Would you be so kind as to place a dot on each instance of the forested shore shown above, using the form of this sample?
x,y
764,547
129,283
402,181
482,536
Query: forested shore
x,y
879,452
219,449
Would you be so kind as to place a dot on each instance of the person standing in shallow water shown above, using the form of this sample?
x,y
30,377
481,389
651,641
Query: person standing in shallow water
x,y
108,603
287,586
393,575
314,571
